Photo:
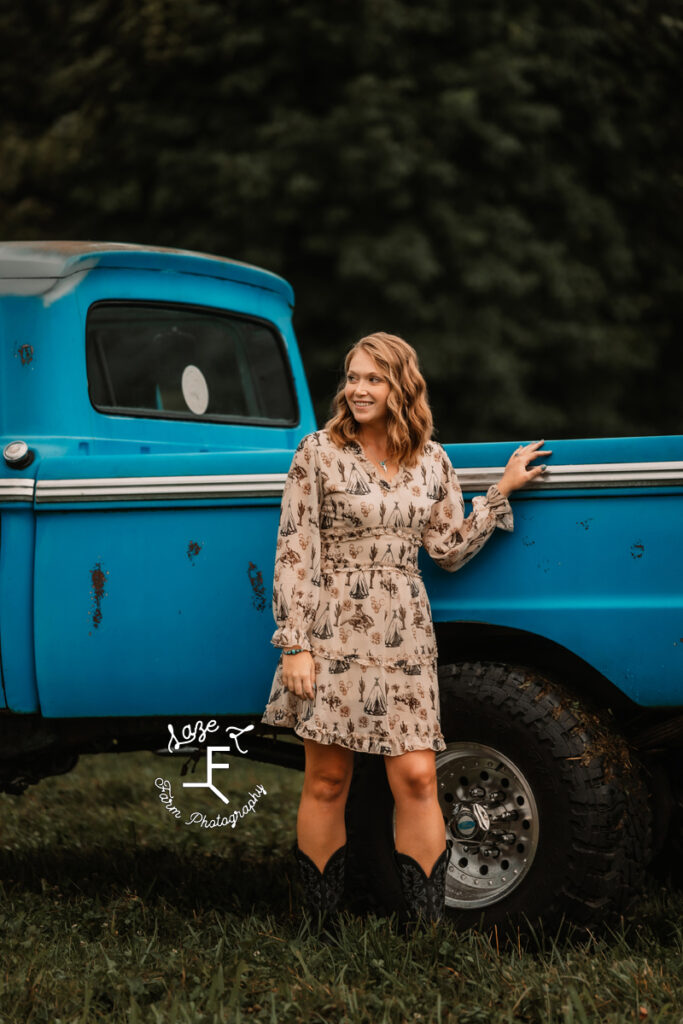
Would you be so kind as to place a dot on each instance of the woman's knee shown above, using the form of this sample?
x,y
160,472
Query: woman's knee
x,y
412,778
326,787
328,773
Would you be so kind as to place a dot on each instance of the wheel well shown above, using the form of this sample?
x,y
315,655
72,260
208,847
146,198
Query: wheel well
x,y
481,641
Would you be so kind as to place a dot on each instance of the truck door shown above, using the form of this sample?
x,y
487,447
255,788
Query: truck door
x,y
155,541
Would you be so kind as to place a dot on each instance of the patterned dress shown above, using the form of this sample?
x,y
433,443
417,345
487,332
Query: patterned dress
x,y
347,588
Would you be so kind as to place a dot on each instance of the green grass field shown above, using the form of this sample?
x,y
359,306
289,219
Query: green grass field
x,y
112,909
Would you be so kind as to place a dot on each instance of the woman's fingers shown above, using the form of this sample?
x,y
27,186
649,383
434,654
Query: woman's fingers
x,y
296,686
525,453
519,470
309,688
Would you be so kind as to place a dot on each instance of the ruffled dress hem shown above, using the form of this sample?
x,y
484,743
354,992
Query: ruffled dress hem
x,y
363,744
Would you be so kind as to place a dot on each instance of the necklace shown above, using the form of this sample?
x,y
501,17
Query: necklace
x,y
382,462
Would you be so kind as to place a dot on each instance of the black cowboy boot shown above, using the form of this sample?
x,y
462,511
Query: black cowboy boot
x,y
323,891
424,897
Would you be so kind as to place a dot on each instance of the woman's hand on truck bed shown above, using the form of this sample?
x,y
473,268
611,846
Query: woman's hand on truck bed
x,y
517,472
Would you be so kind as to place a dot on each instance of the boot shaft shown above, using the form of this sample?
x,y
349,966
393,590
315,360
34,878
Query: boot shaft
x,y
425,896
323,891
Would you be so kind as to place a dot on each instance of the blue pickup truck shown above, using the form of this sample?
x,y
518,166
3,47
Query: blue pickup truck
x,y
151,401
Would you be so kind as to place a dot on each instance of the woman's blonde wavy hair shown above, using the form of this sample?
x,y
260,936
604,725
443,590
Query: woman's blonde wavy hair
x,y
409,420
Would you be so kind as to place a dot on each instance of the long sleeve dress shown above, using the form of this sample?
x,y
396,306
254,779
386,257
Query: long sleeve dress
x,y
347,588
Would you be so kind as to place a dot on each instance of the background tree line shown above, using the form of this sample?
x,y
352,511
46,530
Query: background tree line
x,y
498,182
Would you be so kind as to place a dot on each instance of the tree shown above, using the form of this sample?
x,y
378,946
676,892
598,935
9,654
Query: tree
x,y
499,183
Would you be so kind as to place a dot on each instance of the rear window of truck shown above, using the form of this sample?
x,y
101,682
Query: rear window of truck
x,y
174,361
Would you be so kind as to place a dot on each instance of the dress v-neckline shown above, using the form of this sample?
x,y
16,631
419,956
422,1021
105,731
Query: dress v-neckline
x,y
383,480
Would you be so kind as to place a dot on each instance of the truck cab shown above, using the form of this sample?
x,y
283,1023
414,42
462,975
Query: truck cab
x,y
151,400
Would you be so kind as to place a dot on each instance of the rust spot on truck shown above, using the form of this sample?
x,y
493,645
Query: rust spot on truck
x,y
637,550
193,549
25,353
98,577
259,591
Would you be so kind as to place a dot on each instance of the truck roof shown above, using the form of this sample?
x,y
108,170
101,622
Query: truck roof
x,y
50,261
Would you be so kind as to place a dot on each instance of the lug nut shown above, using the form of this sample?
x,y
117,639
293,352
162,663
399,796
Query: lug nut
x,y
504,837
507,816
476,792
471,849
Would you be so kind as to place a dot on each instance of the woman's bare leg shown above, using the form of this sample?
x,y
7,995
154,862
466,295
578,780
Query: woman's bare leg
x,y
420,830
320,826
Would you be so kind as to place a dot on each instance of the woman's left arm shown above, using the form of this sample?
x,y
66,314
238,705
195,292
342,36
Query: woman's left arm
x,y
452,539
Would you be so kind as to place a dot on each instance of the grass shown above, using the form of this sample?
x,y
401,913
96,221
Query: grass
x,y
111,909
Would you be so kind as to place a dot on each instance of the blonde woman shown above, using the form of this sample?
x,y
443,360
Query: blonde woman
x,y
358,669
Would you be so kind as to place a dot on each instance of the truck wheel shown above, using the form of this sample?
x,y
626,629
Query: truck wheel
x,y
546,804
544,801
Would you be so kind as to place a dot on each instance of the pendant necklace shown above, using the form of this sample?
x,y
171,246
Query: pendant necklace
x,y
382,462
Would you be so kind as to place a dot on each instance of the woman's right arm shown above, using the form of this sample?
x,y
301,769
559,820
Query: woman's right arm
x,y
297,566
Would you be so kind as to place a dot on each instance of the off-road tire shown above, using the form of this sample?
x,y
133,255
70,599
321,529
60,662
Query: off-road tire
x,y
592,813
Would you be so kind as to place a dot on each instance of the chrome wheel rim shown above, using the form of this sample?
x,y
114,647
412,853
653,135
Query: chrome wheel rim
x,y
491,816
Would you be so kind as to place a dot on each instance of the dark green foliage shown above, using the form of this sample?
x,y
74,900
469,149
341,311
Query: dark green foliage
x,y
500,183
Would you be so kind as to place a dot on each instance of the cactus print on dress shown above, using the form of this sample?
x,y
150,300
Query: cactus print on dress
x,y
347,587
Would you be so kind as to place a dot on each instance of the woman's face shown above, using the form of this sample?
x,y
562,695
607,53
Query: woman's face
x,y
366,391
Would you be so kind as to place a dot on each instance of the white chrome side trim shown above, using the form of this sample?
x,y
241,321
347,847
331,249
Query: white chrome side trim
x,y
16,490
270,485
600,474
148,488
